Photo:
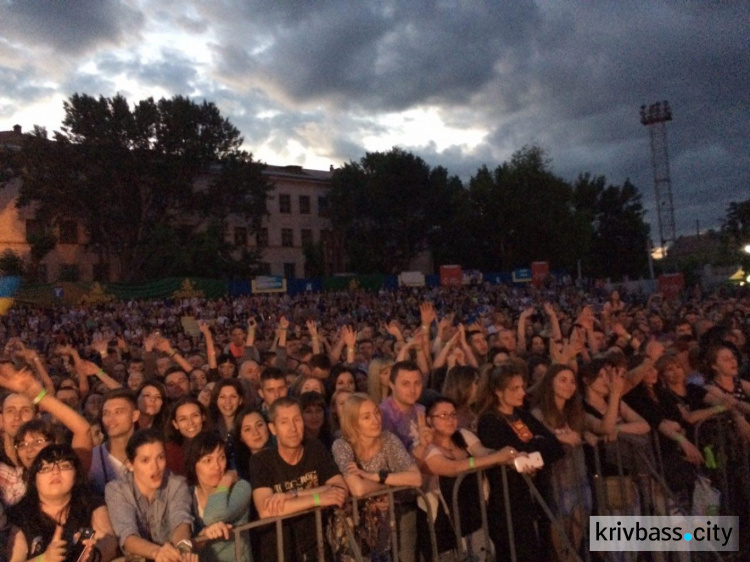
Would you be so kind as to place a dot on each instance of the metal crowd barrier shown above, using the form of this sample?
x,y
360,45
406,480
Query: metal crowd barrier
x,y
318,512
728,460
456,515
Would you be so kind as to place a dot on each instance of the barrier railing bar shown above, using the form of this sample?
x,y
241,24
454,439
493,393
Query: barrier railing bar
x,y
554,520
508,517
456,516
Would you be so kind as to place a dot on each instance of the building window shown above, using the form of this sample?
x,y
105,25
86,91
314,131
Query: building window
x,y
261,238
287,237
68,232
307,237
285,204
290,271
34,229
322,206
69,272
101,272
304,204
240,236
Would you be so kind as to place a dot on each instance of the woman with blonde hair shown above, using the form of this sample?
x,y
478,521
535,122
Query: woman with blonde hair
x,y
371,459
378,378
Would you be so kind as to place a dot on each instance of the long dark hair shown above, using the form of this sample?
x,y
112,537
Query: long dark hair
x,y
242,452
217,420
498,379
313,398
173,434
160,418
572,412
27,514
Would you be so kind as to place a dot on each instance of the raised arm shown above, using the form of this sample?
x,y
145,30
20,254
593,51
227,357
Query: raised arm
x,y
165,346
32,359
87,368
312,327
522,329
555,332
210,348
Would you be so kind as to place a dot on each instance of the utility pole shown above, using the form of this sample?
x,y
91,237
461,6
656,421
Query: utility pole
x,y
655,117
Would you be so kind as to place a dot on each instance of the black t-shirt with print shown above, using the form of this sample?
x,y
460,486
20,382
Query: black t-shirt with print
x,y
269,470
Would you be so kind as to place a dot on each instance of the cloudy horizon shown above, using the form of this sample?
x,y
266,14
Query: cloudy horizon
x,y
461,84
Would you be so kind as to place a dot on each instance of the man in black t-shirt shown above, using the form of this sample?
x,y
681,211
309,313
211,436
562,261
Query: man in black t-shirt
x,y
294,477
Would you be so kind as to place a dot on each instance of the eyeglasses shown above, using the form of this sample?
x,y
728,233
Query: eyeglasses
x,y
445,416
36,443
63,466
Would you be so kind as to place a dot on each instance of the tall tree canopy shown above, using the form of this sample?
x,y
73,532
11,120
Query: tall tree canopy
x,y
384,204
618,233
152,185
520,212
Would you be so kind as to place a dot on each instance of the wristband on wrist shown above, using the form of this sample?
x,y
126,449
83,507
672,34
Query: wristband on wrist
x,y
719,408
471,462
174,352
383,476
38,398
222,489
680,438
99,373
316,499
184,546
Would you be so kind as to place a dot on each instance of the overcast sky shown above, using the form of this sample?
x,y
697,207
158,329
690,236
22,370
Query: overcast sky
x,y
461,83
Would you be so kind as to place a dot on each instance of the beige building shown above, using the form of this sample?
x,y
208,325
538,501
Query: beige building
x,y
297,215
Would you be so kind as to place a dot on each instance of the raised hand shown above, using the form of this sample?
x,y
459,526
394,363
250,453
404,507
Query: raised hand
x,y
427,313
349,336
426,433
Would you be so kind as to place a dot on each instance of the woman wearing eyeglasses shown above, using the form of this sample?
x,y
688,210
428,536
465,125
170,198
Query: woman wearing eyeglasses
x,y
452,452
35,434
56,508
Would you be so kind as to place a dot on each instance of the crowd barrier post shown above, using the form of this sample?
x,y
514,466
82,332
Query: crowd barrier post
x,y
278,521
548,512
393,520
508,516
482,508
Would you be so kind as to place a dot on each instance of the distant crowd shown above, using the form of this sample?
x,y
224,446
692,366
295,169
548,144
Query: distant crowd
x,y
152,429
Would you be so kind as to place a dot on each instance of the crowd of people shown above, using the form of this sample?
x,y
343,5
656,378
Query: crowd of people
x,y
153,429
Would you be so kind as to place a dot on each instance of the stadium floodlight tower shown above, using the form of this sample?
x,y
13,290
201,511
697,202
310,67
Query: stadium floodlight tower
x,y
655,117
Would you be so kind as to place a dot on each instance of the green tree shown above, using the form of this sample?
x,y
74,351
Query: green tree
x,y
618,235
11,264
168,171
521,212
383,206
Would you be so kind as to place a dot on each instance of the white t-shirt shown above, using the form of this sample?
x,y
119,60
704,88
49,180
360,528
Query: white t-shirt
x,y
111,469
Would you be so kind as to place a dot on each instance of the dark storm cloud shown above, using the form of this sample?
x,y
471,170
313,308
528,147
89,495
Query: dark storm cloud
x,y
569,76
384,56
71,27
22,87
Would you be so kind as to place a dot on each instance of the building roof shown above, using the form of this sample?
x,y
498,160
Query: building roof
x,y
297,172
11,139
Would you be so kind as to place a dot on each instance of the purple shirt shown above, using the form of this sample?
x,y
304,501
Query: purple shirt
x,y
401,423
